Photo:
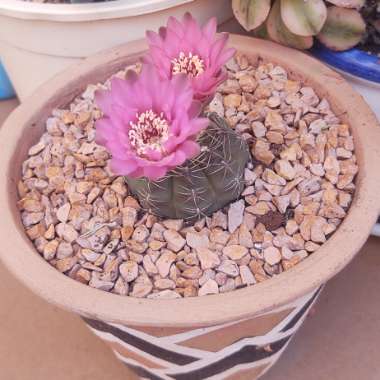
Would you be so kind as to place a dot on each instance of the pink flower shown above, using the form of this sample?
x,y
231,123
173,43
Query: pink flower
x,y
185,47
149,124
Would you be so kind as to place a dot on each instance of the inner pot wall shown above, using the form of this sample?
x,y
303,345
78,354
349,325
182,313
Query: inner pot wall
x,y
24,127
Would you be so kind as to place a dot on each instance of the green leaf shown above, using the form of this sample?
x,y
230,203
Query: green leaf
x,y
304,17
278,31
343,29
251,13
261,32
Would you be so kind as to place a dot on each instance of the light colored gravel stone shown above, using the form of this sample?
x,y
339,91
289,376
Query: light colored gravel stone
x,y
209,287
50,250
285,169
235,252
164,262
164,283
175,241
140,234
67,232
141,289
272,255
129,215
219,236
165,294
173,224
208,258
229,267
64,250
245,237
129,271
246,275
260,208
235,215
197,240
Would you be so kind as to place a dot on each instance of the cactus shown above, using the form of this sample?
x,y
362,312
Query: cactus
x,y
201,185
296,22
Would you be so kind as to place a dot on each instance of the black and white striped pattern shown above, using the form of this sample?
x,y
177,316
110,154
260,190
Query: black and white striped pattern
x,y
171,357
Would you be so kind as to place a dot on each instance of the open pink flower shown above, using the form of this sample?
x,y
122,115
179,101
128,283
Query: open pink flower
x,y
149,124
186,47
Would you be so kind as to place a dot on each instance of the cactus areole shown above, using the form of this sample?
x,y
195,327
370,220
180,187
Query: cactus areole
x,y
203,184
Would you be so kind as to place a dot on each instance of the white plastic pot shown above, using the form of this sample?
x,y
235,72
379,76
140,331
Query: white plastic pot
x,y
39,40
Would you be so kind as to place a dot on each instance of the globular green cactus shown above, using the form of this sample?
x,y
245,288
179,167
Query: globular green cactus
x,y
296,22
203,184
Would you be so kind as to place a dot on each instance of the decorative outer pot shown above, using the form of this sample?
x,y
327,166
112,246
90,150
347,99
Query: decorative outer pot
x,y
39,40
236,335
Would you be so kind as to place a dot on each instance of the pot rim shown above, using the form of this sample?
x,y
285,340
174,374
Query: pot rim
x,y
21,258
85,12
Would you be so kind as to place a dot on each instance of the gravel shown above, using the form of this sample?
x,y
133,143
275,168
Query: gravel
x,y
299,187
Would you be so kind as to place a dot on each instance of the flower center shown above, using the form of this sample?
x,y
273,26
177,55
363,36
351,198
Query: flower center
x,y
188,64
150,131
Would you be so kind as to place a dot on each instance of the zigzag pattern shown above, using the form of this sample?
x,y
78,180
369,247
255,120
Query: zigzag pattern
x,y
238,350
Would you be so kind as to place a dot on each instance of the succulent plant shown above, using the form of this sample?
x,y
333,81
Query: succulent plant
x,y
371,14
338,24
203,184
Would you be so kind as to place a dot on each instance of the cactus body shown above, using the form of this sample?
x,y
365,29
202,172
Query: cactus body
x,y
203,184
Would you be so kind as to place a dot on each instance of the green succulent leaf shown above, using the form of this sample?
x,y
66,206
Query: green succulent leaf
x,y
376,25
344,28
304,17
278,31
261,32
251,13
348,3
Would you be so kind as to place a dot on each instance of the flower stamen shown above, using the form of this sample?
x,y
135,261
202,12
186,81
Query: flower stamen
x,y
188,64
150,131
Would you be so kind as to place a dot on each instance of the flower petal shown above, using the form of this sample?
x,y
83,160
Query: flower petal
x,y
188,36
154,173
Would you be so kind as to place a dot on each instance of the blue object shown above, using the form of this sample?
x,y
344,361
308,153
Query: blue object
x,y
6,89
354,61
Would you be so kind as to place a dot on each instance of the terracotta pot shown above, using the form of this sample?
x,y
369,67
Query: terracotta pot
x,y
237,335
39,40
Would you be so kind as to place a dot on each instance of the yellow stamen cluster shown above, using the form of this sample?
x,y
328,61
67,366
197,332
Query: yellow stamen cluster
x,y
188,64
149,131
